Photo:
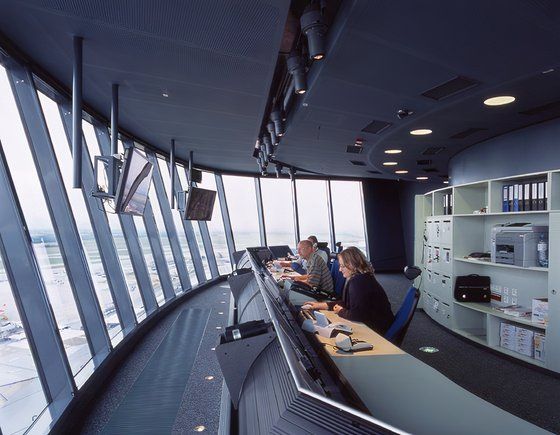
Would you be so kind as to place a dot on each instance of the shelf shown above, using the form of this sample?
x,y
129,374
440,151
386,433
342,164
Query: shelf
x,y
478,338
507,266
485,308
503,213
518,356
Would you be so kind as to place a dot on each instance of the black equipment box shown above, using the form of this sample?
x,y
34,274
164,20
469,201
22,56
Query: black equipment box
x,y
472,288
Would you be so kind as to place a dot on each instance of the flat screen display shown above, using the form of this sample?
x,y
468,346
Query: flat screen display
x,y
134,184
200,203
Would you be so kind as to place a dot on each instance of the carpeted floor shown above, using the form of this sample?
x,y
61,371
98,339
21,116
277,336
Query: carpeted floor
x,y
516,387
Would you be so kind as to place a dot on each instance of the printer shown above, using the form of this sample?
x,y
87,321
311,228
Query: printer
x,y
516,244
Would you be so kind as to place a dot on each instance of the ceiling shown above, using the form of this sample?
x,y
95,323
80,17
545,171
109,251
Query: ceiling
x,y
216,61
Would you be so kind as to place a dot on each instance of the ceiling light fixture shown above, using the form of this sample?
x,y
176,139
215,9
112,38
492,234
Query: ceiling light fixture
x,y
209,378
314,28
200,428
446,182
421,178
499,101
297,69
402,171
390,163
429,349
165,94
277,118
421,132
395,151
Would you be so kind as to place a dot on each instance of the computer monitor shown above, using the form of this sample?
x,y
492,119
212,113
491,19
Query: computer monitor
x,y
281,251
200,204
134,183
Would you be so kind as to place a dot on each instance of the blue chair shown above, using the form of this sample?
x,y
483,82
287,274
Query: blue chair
x,y
337,277
395,334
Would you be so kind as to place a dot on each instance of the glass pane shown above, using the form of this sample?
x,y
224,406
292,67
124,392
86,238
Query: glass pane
x,y
117,233
242,206
348,213
313,209
164,171
216,227
148,256
81,216
278,211
21,394
166,246
45,243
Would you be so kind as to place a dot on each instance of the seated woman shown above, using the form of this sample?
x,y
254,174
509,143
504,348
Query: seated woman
x,y
363,298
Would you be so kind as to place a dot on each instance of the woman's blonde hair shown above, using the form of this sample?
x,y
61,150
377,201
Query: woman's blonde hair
x,y
355,260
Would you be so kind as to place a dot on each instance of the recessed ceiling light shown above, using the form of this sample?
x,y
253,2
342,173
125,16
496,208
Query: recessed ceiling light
x,y
300,91
402,171
218,327
421,132
200,428
499,101
390,163
429,349
446,182
548,71
165,94
421,178
393,151
209,378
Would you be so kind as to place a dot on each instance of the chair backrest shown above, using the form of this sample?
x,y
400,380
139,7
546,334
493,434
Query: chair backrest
x,y
395,334
337,277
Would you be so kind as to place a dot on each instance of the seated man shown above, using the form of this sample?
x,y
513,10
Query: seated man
x,y
321,253
318,275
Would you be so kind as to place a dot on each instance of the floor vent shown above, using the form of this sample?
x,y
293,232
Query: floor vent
x,y
466,133
452,87
376,127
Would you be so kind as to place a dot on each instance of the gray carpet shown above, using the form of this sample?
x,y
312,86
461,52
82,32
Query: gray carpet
x,y
516,387
197,397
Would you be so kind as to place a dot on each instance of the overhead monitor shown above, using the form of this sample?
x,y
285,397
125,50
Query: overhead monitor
x,y
200,204
134,183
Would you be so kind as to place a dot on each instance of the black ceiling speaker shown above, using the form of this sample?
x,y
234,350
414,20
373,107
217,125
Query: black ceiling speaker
x,y
297,69
278,119
272,130
315,28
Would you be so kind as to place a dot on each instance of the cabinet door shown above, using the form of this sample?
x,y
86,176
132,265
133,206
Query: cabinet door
x,y
553,331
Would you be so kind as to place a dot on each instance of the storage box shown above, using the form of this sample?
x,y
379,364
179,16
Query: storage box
x,y
540,342
540,310
524,343
508,337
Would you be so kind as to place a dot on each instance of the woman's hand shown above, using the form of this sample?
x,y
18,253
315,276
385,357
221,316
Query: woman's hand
x,y
337,308
317,305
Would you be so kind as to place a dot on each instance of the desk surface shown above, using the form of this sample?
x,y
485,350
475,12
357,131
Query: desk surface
x,y
408,394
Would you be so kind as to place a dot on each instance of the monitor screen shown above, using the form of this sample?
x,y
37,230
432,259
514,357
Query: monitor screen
x,y
134,183
200,203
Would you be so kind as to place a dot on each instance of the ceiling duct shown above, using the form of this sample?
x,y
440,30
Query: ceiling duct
x,y
430,170
449,88
354,149
423,162
358,163
466,133
549,107
432,151
374,172
376,127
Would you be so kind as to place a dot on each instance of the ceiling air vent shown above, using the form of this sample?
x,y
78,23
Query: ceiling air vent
x,y
549,107
452,87
374,172
430,170
423,162
376,127
353,149
357,162
466,133
432,151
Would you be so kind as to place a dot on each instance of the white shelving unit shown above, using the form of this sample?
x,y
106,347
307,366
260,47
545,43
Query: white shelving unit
x,y
443,241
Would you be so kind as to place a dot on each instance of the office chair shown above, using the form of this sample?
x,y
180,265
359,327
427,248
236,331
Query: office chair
x,y
337,277
397,331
